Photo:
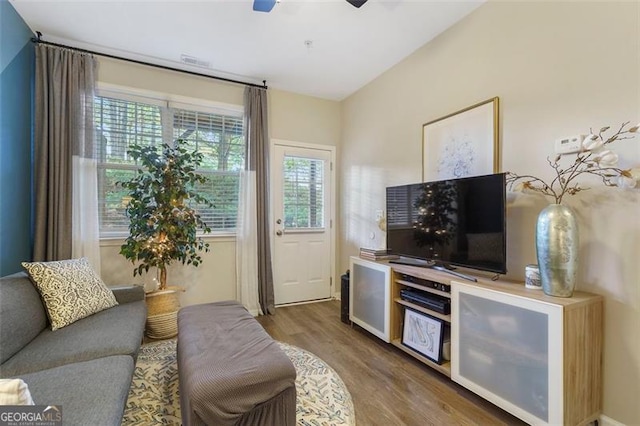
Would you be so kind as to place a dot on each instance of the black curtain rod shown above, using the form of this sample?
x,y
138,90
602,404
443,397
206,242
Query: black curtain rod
x,y
38,39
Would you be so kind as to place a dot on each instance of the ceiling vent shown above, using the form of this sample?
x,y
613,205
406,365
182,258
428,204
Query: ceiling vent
x,y
190,60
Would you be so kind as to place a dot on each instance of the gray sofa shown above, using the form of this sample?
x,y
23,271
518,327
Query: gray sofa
x,y
85,367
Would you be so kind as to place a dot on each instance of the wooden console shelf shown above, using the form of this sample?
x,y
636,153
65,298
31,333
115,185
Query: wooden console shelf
x,y
423,288
398,282
536,356
427,311
444,368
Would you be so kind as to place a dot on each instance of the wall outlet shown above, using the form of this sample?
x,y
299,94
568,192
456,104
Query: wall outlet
x,y
569,145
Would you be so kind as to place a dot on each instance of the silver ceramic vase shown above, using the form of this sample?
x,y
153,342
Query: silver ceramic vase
x,y
557,250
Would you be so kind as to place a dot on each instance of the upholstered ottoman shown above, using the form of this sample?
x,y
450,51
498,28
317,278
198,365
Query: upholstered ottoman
x,y
231,371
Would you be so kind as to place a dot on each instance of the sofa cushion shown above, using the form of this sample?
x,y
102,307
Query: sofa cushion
x,y
70,289
115,331
127,294
90,393
22,315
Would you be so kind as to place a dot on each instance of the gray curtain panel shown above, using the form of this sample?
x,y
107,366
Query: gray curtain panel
x,y
63,127
257,137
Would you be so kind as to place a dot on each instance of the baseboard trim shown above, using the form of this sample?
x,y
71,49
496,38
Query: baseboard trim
x,y
306,302
608,421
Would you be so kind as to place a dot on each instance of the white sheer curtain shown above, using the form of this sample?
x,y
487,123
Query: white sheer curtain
x,y
247,244
85,234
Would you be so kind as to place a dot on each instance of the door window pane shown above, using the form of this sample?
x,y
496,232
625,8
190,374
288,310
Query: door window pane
x,y
303,192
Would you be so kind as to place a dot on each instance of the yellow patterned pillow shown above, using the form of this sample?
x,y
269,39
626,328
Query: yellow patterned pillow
x,y
70,289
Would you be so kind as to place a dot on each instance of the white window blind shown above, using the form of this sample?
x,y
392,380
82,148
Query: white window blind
x,y
220,138
400,209
123,122
303,192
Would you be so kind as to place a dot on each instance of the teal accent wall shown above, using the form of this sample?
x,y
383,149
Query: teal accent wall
x,y
17,70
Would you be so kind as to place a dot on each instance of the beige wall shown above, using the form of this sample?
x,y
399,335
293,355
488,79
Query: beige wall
x,y
559,68
291,117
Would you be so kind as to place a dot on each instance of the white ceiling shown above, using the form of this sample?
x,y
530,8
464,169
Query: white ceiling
x,y
349,46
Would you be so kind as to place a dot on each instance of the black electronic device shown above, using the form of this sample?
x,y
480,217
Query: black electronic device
x,y
458,222
427,283
344,298
430,301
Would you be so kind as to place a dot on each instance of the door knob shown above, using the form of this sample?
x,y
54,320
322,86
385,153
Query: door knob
x,y
279,233
279,221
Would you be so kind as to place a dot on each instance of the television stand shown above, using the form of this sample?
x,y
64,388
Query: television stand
x,y
492,321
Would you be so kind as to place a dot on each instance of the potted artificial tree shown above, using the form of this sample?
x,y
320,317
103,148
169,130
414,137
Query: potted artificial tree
x,y
163,224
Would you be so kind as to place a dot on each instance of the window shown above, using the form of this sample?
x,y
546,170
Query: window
x,y
303,192
122,121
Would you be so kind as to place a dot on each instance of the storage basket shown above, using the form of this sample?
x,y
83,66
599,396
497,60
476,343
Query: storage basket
x,y
162,302
162,326
162,314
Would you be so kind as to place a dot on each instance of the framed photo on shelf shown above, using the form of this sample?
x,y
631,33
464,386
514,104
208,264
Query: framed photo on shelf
x,y
424,334
463,143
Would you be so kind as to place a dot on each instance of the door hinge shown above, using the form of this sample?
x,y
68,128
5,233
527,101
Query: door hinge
x,y
330,281
330,223
331,165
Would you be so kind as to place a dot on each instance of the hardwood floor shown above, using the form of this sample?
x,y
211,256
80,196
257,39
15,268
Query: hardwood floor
x,y
388,387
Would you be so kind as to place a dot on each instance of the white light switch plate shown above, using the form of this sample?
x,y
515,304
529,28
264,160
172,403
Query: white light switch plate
x,y
569,145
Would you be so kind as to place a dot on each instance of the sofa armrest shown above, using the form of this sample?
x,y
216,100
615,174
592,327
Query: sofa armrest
x,y
126,294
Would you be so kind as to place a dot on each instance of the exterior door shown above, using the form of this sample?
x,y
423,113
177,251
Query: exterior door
x,y
301,200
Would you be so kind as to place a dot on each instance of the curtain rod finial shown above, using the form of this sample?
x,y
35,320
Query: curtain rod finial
x,y
39,35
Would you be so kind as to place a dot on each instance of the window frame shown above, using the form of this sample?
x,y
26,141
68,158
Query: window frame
x,y
168,101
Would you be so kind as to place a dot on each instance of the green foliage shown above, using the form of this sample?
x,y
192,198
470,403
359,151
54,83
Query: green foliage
x,y
163,225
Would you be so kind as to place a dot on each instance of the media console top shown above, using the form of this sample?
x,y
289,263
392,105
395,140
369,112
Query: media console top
x,y
484,280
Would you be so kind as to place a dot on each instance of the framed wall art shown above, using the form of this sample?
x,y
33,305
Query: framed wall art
x,y
464,143
424,334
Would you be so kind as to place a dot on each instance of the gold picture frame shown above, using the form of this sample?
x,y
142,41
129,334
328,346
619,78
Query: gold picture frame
x,y
463,143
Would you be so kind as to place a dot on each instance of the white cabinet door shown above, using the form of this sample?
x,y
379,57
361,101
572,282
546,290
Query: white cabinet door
x,y
508,349
370,297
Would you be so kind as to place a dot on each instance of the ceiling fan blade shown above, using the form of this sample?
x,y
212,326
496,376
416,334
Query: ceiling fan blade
x,y
264,5
357,3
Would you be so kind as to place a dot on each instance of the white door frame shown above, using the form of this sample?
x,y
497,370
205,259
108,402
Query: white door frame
x,y
332,200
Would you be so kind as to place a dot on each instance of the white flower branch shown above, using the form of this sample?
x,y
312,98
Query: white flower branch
x,y
592,159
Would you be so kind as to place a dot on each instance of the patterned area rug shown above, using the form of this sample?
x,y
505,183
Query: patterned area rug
x,y
322,397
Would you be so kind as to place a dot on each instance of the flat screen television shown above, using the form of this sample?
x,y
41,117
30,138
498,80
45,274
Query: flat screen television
x,y
449,222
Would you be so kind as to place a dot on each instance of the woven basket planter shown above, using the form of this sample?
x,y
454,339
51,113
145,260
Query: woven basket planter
x,y
162,314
